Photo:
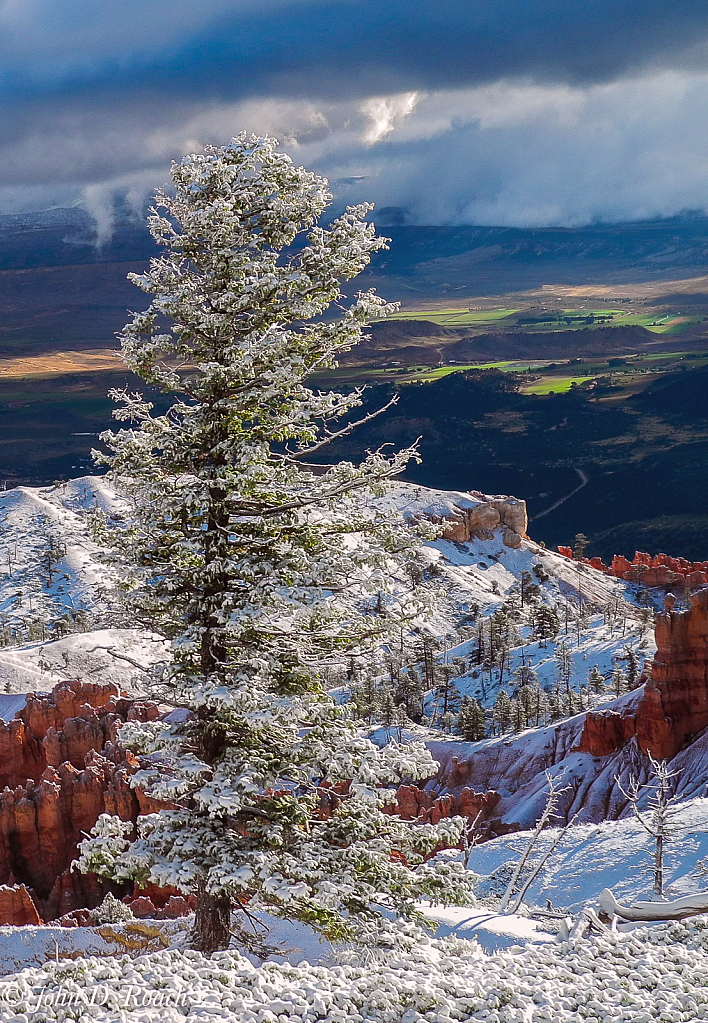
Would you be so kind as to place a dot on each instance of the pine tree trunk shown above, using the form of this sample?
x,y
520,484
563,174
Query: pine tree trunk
x,y
212,923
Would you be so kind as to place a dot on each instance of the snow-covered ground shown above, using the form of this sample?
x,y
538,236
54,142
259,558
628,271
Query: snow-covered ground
x,y
485,573
54,579
651,975
59,616
121,656
49,565
481,966
22,947
489,929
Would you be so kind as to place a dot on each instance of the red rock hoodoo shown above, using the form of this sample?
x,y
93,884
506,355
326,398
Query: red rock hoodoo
x,y
605,731
61,768
416,804
649,570
674,705
17,907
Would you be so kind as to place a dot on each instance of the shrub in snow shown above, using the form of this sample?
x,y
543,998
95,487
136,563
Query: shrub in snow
x,y
261,573
112,911
645,977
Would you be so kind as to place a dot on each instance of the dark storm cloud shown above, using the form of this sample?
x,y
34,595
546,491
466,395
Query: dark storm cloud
x,y
98,97
343,48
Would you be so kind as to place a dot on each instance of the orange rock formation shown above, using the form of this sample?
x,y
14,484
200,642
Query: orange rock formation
x,y
656,570
61,768
674,705
416,804
16,906
479,520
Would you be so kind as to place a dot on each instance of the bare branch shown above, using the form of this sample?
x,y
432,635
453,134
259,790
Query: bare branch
x,y
303,452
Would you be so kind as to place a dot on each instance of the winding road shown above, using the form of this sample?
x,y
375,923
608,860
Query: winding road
x,y
546,511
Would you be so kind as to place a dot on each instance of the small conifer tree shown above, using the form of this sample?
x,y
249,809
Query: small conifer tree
x,y
502,711
596,680
471,721
632,660
619,681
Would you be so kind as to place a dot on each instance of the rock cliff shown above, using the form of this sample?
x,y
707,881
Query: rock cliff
x,y
17,907
416,804
469,520
606,731
673,707
466,516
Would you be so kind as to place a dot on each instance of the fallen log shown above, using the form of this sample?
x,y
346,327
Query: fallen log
x,y
678,909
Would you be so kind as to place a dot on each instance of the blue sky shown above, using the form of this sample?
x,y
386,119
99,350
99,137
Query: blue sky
x,y
523,112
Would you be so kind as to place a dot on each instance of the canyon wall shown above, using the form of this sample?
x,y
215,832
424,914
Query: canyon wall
x,y
61,768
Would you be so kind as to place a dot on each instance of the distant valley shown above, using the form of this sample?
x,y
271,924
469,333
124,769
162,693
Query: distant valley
x,y
527,362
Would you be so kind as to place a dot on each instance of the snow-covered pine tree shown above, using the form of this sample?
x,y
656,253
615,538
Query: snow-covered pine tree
x,y
471,720
632,659
502,712
259,570
619,681
596,680
525,675
564,665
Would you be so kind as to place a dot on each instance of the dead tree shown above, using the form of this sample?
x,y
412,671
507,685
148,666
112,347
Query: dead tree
x,y
658,818
514,890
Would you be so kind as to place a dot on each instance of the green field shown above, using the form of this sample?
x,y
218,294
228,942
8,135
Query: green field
x,y
412,374
534,319
660,324
454,317
553,384
549,377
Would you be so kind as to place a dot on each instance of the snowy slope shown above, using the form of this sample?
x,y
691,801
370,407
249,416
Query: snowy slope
x,y
121,656
54,578
10,705
474,579
612,854
49,565
58,614
516,765
485,573
478,576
